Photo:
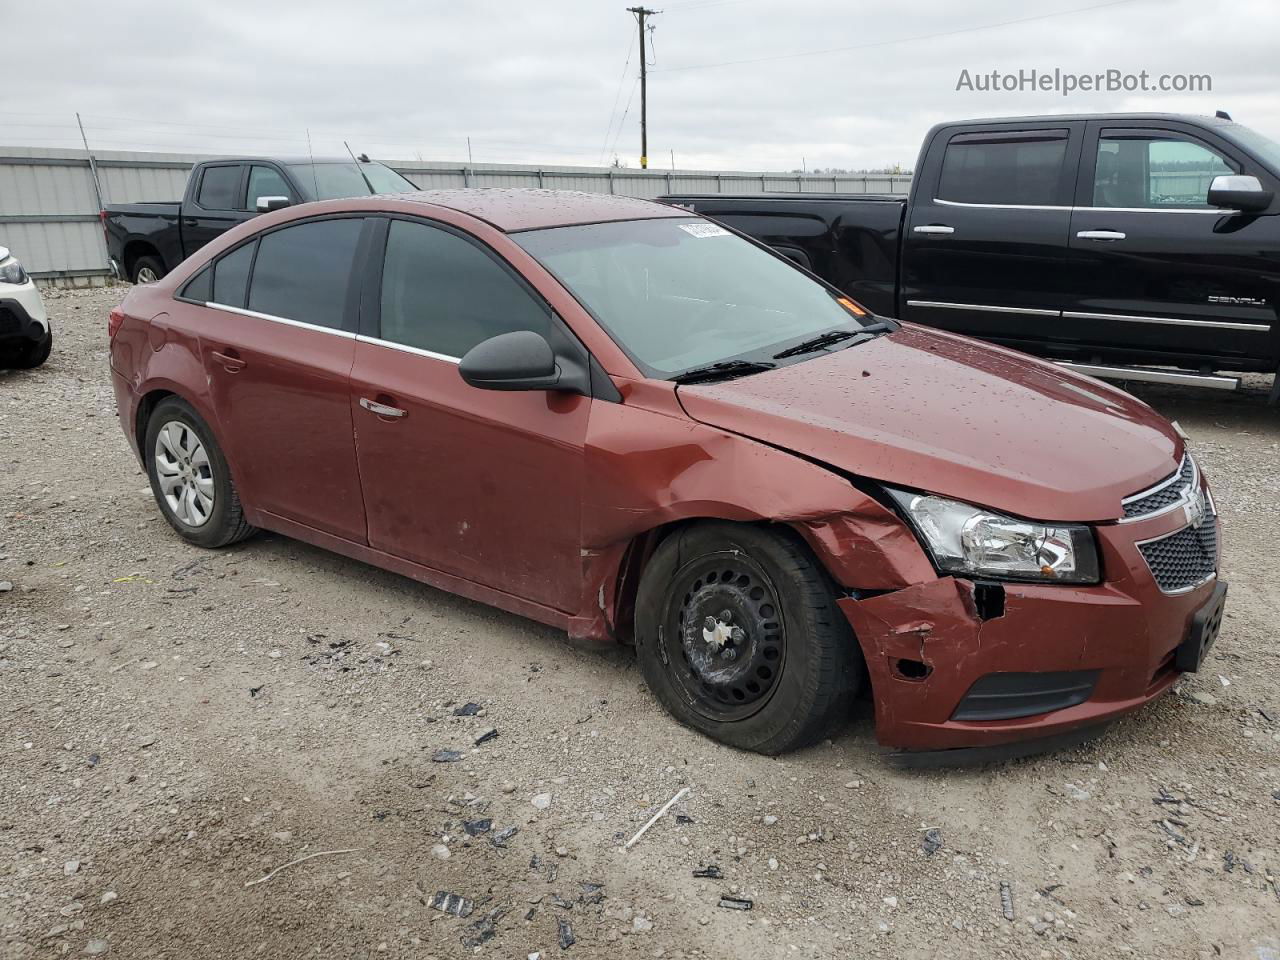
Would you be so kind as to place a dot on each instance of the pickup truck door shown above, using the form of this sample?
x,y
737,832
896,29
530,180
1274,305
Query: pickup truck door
x,y
1154,269
985,240
214,204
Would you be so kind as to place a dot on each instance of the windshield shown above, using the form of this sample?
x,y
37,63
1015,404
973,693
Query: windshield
x,y
1264,148
329,181
678,294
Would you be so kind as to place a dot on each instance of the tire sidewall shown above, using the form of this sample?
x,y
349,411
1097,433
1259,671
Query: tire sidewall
x,y
147,261
791,697
212,533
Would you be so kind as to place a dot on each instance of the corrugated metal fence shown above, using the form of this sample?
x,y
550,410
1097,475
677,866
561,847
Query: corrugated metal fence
x,y
49,211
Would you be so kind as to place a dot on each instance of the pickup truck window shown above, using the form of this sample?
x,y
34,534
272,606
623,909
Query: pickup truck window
x,y
677,294
444,294
218,188
1002,169
302,272
329,181
1154,172
265,182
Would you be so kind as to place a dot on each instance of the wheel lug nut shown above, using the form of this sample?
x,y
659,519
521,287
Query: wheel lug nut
x,y
736,635
726,616
730,653
709,623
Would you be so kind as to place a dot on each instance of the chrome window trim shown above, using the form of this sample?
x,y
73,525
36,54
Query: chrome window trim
x,y
1169,321
345,334
1216,211
405,348
1000,206
943,305
1168,481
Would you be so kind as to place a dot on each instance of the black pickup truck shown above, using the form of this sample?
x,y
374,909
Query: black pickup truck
x,y
1135,247
147,240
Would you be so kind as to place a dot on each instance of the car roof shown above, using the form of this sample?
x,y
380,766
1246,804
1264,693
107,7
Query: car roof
x,y
511,209
1067,117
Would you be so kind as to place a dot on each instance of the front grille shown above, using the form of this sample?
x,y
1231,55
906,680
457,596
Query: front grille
x,y
1183,559
1172,490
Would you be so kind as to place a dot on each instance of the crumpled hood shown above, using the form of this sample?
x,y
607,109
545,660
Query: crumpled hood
x,y
930,410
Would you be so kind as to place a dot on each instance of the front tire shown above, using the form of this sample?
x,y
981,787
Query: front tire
x,y
33,354
738,635
190,478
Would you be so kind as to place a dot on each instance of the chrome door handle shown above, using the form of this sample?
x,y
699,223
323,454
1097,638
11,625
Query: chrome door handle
x,y
381,409
1100,235
229,361
934,228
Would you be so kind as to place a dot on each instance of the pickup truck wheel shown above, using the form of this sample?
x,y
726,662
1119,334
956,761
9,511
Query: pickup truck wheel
x,y
32,355
190,478
147,270
738,635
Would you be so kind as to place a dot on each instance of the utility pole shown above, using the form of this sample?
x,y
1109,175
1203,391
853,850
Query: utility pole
x,y
641,13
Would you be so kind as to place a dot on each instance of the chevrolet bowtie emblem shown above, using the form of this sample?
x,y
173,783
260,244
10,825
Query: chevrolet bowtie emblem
x,y
1194,510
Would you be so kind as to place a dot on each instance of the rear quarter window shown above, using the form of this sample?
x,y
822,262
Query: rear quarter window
x,y
219,187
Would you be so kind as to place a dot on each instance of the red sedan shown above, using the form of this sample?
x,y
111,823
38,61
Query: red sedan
x,y
626,421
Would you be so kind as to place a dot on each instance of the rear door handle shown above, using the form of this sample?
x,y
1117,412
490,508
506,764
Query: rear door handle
x,y
190,222
229,360
381,409
937,229
1100,235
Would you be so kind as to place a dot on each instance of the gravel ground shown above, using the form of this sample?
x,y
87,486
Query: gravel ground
x,y
177,723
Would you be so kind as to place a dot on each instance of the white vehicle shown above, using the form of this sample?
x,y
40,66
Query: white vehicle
x,y
25,334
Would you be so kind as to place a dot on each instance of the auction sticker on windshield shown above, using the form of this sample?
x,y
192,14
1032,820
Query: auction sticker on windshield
x,y
703,230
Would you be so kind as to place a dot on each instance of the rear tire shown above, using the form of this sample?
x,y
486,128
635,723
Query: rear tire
x,y
780,671
190,478
147,270
31,355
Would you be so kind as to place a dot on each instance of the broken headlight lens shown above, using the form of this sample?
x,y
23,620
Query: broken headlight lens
x,y
971,541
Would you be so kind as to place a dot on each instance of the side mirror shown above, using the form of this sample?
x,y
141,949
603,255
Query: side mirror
x,y
522,360
1239,193
267,204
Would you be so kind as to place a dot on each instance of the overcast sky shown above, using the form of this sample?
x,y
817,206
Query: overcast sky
x,y
545,82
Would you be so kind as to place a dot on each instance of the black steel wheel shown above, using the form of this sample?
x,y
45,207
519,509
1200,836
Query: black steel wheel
x,y
726,628
739,636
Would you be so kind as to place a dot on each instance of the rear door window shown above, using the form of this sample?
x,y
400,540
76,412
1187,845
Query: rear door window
x,y
445,294
1001,168
220,187
303,272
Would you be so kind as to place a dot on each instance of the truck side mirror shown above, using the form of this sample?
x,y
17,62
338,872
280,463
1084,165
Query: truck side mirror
x,y
267,204
1239,193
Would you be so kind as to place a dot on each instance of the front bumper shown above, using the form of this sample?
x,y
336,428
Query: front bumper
x,y
22,313
1111,648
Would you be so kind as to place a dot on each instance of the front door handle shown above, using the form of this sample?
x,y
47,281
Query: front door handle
x,y
937,229
229,360
1100,235
382,409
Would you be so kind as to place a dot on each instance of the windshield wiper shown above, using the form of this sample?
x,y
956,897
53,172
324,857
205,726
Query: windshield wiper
x,y
830,337
723,370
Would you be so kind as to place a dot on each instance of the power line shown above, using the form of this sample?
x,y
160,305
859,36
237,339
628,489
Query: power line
x,y
886,43
616,95
623,121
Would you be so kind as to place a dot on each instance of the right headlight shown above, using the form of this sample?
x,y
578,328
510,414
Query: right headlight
x,y
11,271
972,541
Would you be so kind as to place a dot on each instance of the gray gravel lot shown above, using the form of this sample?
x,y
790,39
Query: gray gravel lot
x,y
177,723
